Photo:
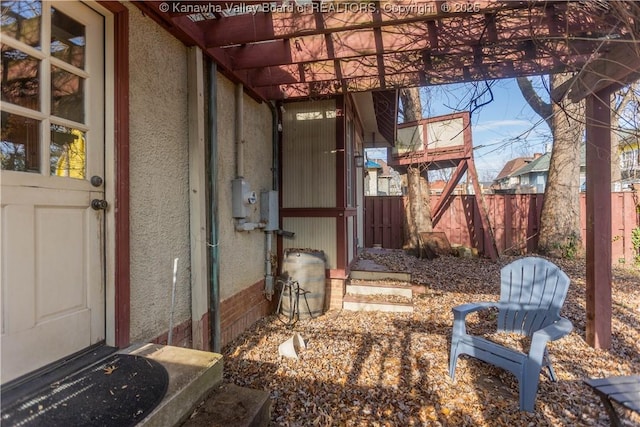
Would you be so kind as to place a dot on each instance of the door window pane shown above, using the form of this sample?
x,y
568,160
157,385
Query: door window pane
x,y
21,20
20,78
67,95
20,143
67,152
67,39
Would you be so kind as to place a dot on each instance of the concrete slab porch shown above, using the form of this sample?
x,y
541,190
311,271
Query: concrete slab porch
x,y
192,376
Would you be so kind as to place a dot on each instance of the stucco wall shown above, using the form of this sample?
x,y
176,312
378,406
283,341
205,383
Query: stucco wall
x,y
159,177
241,253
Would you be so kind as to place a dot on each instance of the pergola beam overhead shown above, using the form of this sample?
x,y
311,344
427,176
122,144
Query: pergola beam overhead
x,y
285,85
353,44
408,61
264,26
306,50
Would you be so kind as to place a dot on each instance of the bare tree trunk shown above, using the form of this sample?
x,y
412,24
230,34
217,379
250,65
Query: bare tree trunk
x,y
415,216
560,217
419,209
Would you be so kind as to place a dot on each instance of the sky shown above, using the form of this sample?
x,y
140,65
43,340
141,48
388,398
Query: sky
x,y
503,128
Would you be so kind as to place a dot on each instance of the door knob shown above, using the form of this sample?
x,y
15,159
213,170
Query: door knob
x,y
98,204
96,181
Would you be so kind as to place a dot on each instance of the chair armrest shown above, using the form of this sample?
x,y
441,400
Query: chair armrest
x,y
460,313
549,333
554,331
464,309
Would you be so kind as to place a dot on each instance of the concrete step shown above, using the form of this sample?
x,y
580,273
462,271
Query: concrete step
x,y
379,287
372,274
385,303
192,376
232,405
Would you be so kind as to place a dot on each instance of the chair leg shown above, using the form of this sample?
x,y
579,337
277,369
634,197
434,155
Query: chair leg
x,y
527,396
453,361
552,373
528,383
547,362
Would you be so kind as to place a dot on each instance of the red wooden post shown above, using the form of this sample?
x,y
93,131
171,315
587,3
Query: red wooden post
x,y
489,239
598,159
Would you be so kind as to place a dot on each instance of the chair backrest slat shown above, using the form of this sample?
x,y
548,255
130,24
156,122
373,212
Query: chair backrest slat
x,y
535,290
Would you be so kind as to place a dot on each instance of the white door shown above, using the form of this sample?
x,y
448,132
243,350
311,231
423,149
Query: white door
x,y
52,154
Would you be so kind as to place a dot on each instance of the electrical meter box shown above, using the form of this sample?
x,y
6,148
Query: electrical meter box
x,y
241,198
269,210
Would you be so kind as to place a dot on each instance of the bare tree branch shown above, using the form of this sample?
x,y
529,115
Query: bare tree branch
x,y
543,109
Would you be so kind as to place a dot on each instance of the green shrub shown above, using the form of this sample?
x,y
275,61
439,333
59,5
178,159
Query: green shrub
x,y
635,242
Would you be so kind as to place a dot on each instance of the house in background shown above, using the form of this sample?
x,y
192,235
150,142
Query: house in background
x,y
372,171
506,181
381,179
437,187
532,177
629,162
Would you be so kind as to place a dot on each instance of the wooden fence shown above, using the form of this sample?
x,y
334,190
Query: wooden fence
x,y
384,221
514,218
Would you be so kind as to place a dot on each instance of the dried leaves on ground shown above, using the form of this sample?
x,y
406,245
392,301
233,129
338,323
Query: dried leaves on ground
x,y
377,369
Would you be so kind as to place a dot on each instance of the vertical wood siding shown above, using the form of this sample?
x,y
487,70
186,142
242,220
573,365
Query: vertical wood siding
x,y
313,233
309,155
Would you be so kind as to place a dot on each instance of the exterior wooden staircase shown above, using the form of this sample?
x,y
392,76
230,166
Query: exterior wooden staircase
x,y
378,291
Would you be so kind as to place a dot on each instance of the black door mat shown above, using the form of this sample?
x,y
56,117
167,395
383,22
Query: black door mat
x,y
118,391
24,387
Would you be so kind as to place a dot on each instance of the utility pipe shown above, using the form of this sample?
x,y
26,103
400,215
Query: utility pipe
x,y
269,275
239,131
214,263
275,121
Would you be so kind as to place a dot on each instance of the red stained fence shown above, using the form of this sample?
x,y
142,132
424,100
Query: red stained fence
x,y
384,221
515,220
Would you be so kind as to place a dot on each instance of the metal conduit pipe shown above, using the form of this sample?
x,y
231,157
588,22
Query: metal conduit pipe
x,y
275,122
214,266
239,131
269,280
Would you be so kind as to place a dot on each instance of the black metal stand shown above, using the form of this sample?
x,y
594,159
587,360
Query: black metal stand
x,y
293,289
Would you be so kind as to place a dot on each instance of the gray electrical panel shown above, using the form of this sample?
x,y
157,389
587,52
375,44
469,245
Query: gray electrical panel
x,y
241,198
269,210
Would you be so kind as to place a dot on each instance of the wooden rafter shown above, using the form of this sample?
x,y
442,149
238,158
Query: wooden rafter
x,y
621,66
303,49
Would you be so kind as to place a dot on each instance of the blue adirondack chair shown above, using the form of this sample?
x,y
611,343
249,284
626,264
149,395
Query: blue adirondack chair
x,y
532,291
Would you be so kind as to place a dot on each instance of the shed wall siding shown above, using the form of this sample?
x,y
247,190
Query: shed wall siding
x,y
313,233
309,155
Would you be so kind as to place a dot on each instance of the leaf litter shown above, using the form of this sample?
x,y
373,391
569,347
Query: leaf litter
x,y
391,369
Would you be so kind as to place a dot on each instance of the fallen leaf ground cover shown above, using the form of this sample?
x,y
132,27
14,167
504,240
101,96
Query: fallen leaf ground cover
x,y
382,369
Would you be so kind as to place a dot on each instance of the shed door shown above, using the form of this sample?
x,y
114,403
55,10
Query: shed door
x,y
51,146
